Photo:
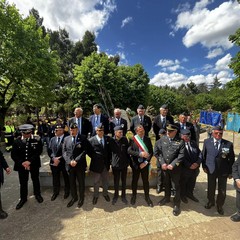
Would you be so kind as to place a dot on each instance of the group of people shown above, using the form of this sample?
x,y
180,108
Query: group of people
x,y
177,154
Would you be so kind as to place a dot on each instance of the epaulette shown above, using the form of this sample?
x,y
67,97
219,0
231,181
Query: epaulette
x,y
36,137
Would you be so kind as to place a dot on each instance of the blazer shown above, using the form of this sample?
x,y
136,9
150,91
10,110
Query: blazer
x,y
147,124
24,150
157,124
76,151
236,171
86,126
103,120
114,123
3,165
220,161
133,150
102,155
190,127
55,150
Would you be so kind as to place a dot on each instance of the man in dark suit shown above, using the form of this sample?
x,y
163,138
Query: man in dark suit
x,y
118,121
141,152
183,124
3,165
218,158
142,119
236,177
100,162
26,153
57,163
190,167
84,126
170,152
75,148
120,160
98,118
161,120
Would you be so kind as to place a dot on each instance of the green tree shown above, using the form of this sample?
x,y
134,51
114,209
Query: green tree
x,y
28,69
216,83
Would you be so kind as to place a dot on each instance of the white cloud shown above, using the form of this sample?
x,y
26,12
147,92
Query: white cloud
x,y
222,64
214,53
210,28
170,65
76,16
126,21
120,45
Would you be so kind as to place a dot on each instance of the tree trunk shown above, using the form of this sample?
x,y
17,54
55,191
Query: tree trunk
x,y
3,112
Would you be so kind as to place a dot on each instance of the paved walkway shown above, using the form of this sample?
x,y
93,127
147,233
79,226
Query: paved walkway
x,y
53,220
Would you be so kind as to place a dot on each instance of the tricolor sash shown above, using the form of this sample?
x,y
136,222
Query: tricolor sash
x,y
140,143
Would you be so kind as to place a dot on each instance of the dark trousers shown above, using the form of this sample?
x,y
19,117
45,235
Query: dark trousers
x,y
172,179
77,173
222,185
135,176
117,174
1,209
160,177
23,176
56,172
188,181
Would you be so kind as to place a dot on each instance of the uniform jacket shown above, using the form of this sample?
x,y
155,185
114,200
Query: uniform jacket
x,y
103,120
147,124
3,165
101,156
27,150
157,124
86,126
195,156
220,161
133,150
236,171
55,150
120,158
190,127
114,123
168,152
76,151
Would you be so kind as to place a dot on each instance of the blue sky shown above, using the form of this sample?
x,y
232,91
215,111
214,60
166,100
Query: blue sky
x,y
176,41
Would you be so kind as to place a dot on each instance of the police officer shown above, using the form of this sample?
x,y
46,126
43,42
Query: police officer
x,y
170,152
26,153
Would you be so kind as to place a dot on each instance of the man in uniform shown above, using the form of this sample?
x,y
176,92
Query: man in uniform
x,y
9,131
57,162
141,151
170,152
3,165
142,119
190,167
120,160
100,162
218,158
75,148
26,153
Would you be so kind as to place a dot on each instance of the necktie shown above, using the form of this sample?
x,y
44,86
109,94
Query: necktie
x,y
141,119
74,140
216,145
189,148
96,121
101,142
182,126
79,127
58,141
164,123
118,121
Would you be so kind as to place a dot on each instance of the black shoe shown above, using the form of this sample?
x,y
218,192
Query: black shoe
x,y
114,200
107,198
20,204
193,198
66,195
3,214
133,199
39,198
220,210
54,196
80,203
94,201
235,217
73,200
176,210
149,201
163,201
158,189
124,200
184,199
209,205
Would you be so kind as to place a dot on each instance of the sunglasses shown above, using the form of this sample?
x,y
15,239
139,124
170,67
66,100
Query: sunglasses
x,y
220,133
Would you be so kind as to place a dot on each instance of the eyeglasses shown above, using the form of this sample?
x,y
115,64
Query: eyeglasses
x,y
219,133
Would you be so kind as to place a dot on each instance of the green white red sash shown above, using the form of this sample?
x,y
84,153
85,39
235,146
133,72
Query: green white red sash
x,y
140,143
